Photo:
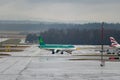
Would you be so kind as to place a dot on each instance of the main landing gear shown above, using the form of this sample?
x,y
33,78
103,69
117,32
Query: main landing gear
x,y
53,52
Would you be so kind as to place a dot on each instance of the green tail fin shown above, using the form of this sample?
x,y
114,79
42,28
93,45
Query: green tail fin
x,y
41,41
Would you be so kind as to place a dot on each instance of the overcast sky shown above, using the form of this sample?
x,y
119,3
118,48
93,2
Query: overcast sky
x,y
61,10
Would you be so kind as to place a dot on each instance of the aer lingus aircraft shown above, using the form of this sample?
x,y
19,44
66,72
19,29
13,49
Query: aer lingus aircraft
x,y
55,48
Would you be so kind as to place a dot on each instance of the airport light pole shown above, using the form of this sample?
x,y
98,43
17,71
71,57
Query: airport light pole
x,y
102,48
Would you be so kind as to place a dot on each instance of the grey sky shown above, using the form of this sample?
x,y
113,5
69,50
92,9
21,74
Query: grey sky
x,y
61,10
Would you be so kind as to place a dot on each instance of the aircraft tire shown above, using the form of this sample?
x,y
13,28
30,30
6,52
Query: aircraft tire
x,y
62,52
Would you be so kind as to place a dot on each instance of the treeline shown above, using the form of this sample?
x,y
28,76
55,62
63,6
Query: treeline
x,y
37,26
75,36
31,38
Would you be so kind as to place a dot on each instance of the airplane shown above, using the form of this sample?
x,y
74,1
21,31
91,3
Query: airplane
x,y
55,48
115,47
114,43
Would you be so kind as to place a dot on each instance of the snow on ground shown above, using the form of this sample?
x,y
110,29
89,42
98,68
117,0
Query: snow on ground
x,y
37,64
3,39
22,41
85,52
86,49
